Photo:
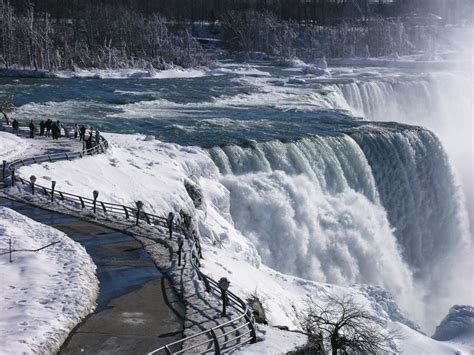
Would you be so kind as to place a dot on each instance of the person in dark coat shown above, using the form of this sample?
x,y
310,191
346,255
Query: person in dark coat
x,y
15,125
32,129
89,143
76,130
54,130
48,126
59,125
82,133
42,127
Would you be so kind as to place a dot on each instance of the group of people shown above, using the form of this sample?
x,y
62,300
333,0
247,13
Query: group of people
x,y
48,128
54,129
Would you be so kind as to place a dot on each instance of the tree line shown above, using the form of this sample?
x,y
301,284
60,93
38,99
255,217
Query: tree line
x,y
65,34
324,12
102,36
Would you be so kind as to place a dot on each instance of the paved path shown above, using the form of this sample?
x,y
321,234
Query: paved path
x,y
137,310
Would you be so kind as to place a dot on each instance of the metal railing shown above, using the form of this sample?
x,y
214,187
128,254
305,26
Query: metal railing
x,y
219,338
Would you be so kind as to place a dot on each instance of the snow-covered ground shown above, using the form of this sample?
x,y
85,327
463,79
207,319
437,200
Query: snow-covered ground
x,y
44,294
141,168
171,73
11,146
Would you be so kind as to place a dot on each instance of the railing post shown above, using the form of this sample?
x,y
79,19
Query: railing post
x,y
224,286
126,212
169,222
95,193
253,334
139,205
53,185
167,350
10,248
32,181
4,169
180,249
217,349
13,175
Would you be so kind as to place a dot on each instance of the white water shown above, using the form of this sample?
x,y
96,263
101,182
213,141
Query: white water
x,y
441,101
324,208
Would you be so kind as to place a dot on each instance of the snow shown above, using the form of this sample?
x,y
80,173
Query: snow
x,y
44,294
296,65
275,341
411,342
172,73
138,167
240,70
11,146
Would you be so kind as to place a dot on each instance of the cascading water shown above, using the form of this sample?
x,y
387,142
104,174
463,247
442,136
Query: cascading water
x,y
323,207
440,101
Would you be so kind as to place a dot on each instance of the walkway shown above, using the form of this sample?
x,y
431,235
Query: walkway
x,y
137,309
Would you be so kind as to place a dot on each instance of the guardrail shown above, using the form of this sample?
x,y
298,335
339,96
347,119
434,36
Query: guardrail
x,y
219,338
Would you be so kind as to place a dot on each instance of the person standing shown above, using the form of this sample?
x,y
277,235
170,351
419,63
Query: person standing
x,y
82,136
42,127
16,126
58,129
97,137
76,130
48,126
54,130
32,129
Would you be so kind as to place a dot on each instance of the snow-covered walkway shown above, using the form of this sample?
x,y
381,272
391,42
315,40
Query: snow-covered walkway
x,y
137,310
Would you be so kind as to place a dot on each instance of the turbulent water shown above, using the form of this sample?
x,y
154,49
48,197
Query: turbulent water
x,y
323,190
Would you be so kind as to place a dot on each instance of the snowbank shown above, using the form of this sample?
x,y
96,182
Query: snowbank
x,y
320,68
44,294
245,70
11,146
173,73
411,342
275,341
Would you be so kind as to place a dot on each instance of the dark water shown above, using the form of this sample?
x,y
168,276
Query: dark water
x,y
225,106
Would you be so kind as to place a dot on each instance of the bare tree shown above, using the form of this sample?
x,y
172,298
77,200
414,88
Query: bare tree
x,y
6,107
347,327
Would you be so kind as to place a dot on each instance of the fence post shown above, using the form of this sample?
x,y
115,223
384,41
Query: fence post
x,y
224,286
95,193
253,334
4,168
10,249
169,222
139,205
53,185
180,248
13,175
217,349
32,180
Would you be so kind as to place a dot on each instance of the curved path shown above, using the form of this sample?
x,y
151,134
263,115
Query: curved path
x,y
137,309
223,333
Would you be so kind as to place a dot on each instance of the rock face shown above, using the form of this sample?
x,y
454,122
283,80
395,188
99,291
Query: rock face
x,y
194,192
258,309
460,320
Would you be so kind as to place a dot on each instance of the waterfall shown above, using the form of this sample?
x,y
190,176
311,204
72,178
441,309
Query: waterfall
x,y
439,101
375,205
